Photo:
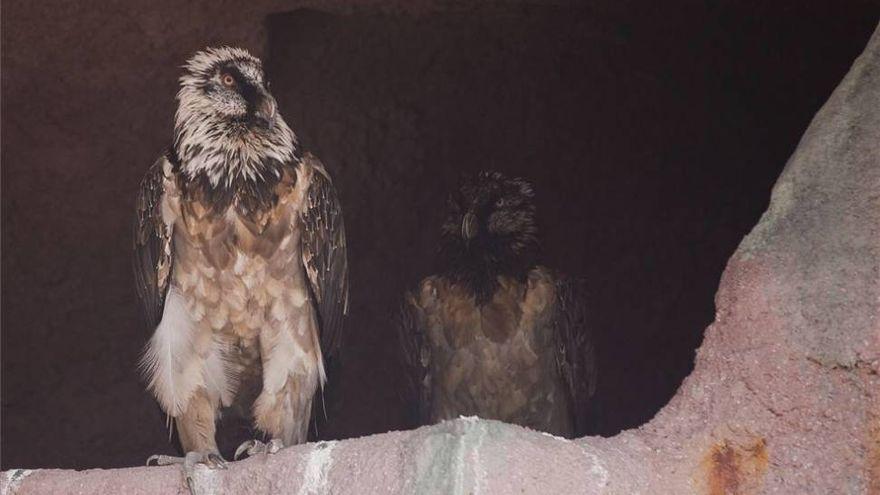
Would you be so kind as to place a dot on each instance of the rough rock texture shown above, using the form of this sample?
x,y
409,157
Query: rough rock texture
x,y
784,398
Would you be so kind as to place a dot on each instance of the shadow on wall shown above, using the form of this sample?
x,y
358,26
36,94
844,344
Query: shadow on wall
x,y
652,146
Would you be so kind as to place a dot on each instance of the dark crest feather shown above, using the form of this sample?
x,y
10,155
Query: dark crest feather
x,y
507,242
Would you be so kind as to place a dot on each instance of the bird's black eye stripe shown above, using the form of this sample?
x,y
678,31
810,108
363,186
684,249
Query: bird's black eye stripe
x,y
242,85
211,86
235,73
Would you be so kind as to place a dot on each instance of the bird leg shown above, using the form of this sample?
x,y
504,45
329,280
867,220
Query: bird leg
x,y
196,428
254,447
283,416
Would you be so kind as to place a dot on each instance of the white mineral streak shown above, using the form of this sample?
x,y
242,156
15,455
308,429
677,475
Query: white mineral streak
x,y
318,466
478,468
458,472
467,452
13,479
207,481
597,468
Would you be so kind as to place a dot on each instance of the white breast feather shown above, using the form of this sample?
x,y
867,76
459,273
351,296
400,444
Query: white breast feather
x,y
217,379
284,357
173,364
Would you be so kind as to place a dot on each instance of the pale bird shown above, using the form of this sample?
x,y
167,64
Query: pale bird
x,y
240,263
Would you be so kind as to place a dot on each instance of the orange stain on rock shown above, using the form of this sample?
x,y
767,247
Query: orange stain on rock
x,y
874,457
735,469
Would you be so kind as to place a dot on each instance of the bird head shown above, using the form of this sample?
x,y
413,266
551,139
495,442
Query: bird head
x,y
227,121
490,230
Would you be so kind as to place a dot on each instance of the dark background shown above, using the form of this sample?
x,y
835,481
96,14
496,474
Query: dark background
x,y
652,133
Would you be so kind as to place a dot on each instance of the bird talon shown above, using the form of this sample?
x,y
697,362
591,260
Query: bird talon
x,y
254,447
274,446
244,447
214,461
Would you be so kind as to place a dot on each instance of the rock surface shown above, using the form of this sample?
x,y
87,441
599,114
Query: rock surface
x,y
785,396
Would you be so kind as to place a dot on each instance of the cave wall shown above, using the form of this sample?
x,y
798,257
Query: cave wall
x,y
662,129
652,143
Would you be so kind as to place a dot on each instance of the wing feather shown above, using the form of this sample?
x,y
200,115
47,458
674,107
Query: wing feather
x,y
153,257
575,351
324,255
415,357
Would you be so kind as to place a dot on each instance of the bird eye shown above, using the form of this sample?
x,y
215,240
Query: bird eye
x,y
227,80
500,203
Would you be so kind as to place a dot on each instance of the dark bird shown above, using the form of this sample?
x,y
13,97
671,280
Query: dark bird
x,y
494,334
240,263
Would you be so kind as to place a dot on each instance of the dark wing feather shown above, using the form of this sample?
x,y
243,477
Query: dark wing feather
x,y
324,255
152,245
415,357
575,352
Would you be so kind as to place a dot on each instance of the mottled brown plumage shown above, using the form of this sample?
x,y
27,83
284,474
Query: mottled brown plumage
x,y
243,277
494,334
240,261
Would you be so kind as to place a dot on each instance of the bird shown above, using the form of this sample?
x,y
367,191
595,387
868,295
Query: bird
x,y
494,333
240,264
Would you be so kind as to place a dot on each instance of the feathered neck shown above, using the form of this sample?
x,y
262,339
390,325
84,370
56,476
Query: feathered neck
x,y
479,269
225,151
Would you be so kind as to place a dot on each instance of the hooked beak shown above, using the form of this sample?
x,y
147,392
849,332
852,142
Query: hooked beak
x,y
265,111
469,227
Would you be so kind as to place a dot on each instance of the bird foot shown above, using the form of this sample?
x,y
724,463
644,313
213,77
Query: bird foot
x,y
188,463
254,447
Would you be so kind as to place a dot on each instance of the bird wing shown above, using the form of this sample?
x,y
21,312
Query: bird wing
x,y
415,354
575,352
153,255
324,254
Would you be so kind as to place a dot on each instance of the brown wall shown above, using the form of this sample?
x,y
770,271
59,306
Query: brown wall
x,y
628,132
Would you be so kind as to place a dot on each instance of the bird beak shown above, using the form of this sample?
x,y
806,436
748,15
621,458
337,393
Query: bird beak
x,y
469,226
265,111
